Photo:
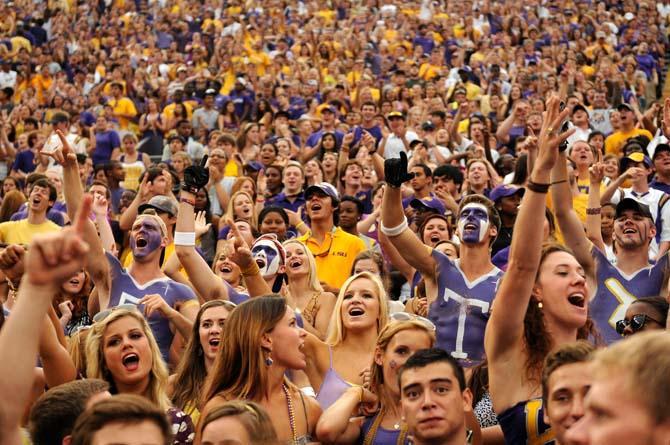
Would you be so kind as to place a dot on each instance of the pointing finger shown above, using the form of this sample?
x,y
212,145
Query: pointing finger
x,y
82,214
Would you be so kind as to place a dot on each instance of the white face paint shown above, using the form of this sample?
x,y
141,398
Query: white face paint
x,y
473,223
267,256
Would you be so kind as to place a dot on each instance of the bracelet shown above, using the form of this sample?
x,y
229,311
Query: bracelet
x,y
537,187
394,231
184,239
251,270
301,223
187,201
593,210
559,182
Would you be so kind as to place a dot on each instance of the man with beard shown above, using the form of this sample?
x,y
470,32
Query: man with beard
x,y
167,304
507,199
465,288
637,168
613,288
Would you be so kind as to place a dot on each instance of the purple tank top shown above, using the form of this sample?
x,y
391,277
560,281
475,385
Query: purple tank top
x,y
461,309
382,437
333,385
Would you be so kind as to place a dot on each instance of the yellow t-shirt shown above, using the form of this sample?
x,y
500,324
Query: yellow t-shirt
x,y
335,256
127,256
580,202
123,106
22,232
615,141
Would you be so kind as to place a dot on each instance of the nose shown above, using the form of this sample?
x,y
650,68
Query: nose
x,y
578,433
577,408
427,401
627,330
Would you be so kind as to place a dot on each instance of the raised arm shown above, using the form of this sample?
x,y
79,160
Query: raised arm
x,y
506,326
570,224
394,223
51,260
593,211
97,265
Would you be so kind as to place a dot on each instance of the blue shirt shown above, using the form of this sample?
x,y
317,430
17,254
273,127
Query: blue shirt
x,y
662,186
24,162
105,143
282,201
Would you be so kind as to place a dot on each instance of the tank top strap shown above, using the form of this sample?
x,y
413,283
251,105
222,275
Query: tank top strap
x,y
304,410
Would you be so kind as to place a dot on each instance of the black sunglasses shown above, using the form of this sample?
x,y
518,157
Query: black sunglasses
x,y
636,323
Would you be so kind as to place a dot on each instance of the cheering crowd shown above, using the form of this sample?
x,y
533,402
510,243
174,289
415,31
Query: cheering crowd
x,y
348,221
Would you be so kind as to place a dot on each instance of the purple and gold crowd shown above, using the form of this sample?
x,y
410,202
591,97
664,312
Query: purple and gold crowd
x,y
269,222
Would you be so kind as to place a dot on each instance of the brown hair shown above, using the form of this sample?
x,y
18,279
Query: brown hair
x,y
11,204
577,352
54,414
79,300
252,416
126,409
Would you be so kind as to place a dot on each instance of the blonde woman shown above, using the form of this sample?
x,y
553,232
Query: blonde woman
x,y
306,294
395,344
360,313
179,162
121,349
240,207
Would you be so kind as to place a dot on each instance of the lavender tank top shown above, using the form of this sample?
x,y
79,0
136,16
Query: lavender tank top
x,y
333,385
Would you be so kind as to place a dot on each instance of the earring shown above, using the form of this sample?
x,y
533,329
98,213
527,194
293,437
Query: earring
x,y
269,361
539,305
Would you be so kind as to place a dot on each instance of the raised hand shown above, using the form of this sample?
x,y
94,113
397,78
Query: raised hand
x,y
11,262
294,218
395,171
66,308
100,205
201,224
550,138
195,177
54,257
239,251
597,173
66,154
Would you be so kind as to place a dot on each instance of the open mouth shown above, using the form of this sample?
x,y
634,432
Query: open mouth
x,y
356,312
74,282
131,361
470,226
316,207
294,264
214,342
629,231
260,262
435,238
141,242
577,300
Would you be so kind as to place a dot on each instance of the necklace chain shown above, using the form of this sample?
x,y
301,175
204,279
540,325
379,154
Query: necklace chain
x,y
291,413
372,432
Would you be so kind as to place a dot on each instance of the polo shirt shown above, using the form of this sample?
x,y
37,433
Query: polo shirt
x,y
335,256
22,232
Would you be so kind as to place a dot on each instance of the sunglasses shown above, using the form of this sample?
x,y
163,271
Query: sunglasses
x,y
406,316
636,323
107,312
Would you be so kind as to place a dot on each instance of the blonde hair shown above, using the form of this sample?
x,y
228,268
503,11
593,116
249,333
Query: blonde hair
x,y
230,210
251,415
336,331
383,341
644,359
313,279
96,368
151,213
184,157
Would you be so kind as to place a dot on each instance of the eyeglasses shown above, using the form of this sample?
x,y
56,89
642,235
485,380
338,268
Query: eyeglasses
x,y
406,316
636,323
325,252
107,312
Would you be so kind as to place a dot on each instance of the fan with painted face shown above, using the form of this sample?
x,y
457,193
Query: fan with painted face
x,y
269,254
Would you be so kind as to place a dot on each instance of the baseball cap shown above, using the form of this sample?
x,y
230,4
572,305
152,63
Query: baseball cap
x,y
282,113
253,166
624,106
325,188
210,92
328,108
629,16
161,203
433,205
393,114
660,148
635,157
578,107
504,191
634,205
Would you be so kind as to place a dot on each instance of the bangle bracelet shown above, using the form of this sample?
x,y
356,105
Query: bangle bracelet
x,y
187,201
301,223
593,210
360,397
537,187
559,182
184,239
394,231
251,270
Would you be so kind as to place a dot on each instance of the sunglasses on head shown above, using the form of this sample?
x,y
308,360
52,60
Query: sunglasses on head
x,y
406,316
636,323
107,312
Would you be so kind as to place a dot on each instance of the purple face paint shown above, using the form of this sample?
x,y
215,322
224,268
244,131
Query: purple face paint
x,y
473,223
146,237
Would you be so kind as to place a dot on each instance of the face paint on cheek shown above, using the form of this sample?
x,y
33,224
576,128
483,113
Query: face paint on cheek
x,y
153,240
266,253
475,216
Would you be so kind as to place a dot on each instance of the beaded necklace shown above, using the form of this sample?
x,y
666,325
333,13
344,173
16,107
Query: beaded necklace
x,y
372,432
291,413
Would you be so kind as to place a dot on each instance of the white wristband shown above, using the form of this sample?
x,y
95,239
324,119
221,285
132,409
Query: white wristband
x,y
394,231
184,238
